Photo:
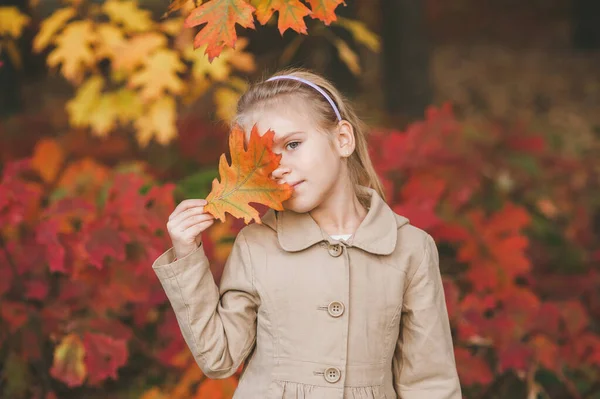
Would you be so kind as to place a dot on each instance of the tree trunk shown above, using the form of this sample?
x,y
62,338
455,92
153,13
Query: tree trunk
x,y
586,24
406,55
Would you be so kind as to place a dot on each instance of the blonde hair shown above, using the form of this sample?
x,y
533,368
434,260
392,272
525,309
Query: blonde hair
x,y
267,93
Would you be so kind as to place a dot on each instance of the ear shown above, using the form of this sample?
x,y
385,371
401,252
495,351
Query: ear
x,y
344,142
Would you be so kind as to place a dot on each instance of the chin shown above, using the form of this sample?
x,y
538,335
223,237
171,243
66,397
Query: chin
x,y
297,206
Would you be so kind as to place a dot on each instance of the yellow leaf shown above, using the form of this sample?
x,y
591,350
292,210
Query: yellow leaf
x,y
360,33
50,26
241,60
86,99
136,50
173,26
348,56
128,105
158,122
73,50
226,100
104,117
202,68
47,159
110,40
159,75
127,13
185,5
12,21
68,365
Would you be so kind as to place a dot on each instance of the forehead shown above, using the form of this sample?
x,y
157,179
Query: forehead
x,y
281,118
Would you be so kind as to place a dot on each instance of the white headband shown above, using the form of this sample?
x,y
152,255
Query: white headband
x,y
314,86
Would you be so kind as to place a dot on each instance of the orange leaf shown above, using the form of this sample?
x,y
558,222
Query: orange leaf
x,y
291,14
248,178
324,9
220,18
47,159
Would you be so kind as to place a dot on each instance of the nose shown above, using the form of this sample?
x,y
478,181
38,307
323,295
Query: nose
x,y
280,172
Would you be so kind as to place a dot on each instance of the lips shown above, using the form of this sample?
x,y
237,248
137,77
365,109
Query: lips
x,y
297,183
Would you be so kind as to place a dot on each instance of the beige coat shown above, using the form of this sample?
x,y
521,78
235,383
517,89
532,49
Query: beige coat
x,y
318,318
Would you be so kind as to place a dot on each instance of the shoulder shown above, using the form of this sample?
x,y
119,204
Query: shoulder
x,y
256,234
412,241
410,235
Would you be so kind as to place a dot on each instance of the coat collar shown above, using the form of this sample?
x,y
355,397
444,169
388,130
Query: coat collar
x,y
376,234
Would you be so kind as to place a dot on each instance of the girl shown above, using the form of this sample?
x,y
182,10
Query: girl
x,y
335,297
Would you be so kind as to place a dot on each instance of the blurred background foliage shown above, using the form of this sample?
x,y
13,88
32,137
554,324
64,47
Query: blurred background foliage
x,y
484,121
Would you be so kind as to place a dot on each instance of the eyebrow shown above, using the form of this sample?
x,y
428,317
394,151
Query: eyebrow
x,y
286,135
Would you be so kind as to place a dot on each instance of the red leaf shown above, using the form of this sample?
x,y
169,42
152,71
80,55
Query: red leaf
x,y
546,353
104,239
15,314
516,356
574,316
472,369
47,235
104,355
36,289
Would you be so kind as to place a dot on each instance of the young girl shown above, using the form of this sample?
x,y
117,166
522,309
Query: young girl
x,y
335,297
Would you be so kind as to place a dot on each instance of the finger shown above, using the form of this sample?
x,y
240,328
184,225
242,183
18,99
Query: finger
x,y
194,220
190,212
198,228
187,204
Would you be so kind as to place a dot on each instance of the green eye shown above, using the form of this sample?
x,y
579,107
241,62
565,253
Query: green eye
x,y
293,145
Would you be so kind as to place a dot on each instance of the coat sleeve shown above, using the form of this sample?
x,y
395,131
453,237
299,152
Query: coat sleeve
x,y
218,324
423,363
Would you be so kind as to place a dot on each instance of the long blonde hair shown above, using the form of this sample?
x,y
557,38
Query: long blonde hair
x,y
360,167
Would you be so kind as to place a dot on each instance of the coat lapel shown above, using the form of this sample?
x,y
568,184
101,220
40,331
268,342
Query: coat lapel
x,y
376,234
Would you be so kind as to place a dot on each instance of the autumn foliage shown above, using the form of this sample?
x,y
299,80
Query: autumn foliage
x,y
82,313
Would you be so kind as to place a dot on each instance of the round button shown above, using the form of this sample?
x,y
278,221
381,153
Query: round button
x,y
332,375
335,250
335,309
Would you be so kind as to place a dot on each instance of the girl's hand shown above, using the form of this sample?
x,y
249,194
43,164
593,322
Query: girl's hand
x,y
186,224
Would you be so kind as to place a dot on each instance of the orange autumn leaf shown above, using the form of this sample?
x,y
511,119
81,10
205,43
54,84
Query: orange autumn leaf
x,y
247,179
220,18
291,14
47,159
324,9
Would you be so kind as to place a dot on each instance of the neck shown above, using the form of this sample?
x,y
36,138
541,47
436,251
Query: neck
x,y
341,212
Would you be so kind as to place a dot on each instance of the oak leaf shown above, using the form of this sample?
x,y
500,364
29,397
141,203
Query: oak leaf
x,y
220,18
159,75
324,9
291,14
12,21
133,52
50,26
158,121
248,178
74,50
127,14
104,356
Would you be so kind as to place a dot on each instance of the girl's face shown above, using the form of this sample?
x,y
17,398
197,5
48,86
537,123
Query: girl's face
x,y
311,161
